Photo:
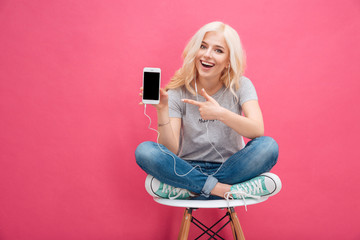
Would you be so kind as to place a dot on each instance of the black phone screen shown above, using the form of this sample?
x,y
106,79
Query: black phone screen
x,y
151,85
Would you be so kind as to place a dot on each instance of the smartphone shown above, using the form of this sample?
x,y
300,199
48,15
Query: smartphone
x,y
151,85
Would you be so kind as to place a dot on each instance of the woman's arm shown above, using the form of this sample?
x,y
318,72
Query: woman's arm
x,y
169,128
250,125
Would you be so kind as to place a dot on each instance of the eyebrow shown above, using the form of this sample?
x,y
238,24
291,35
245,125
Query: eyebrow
x,y
219,46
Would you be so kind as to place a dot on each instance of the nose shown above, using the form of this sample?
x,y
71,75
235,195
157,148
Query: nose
x,y
207,53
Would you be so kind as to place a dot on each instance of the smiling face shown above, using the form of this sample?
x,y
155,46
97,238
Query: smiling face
x,y
212,57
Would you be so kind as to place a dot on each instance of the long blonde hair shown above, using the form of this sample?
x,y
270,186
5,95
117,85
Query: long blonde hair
x,y
187,72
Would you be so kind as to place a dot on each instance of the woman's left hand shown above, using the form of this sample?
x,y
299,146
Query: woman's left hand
x,y
210,109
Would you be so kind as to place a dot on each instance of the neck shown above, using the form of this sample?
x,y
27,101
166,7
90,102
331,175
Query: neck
x,y
211,86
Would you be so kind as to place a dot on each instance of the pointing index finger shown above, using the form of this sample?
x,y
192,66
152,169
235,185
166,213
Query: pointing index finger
x,y
193,102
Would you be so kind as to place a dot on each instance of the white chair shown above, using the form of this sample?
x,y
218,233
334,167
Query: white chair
x,y
188,218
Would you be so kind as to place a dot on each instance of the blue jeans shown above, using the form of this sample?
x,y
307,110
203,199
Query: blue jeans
x,y
257,157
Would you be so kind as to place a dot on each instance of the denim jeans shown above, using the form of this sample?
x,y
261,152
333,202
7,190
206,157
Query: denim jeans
x,y
257,157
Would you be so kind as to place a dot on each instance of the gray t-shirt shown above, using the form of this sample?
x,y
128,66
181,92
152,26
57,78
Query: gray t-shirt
x,y
195,136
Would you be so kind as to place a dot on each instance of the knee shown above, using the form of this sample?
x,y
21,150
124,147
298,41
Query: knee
x,y
145,153
141,152
271,148
271,143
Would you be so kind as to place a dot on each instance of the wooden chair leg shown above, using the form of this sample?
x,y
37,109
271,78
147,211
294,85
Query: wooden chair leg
x,y
185,225
233,229
235,225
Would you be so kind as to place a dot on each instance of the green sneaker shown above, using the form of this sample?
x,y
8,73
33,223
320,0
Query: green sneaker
x,y
265,185
158,189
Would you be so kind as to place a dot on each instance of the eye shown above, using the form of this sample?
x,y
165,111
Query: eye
x,y
202,46
219,51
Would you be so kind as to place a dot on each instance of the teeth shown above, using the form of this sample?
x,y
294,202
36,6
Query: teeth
x,y
207,64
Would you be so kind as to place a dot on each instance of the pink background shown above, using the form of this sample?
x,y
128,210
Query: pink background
x,y
70,121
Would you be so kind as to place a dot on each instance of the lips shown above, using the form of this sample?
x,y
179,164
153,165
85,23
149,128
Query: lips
x,y
207,64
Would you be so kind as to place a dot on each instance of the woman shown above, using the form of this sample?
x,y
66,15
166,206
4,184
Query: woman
x,y
201,150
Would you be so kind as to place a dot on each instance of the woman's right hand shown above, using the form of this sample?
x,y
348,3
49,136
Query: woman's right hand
x,y
164,98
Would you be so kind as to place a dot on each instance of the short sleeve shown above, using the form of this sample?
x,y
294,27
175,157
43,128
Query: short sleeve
x,y
246,91
175,103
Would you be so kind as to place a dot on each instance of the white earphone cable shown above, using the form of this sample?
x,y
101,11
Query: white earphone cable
x,y
207,134
157,141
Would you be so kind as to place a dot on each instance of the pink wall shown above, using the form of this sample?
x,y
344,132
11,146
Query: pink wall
x,y
69,78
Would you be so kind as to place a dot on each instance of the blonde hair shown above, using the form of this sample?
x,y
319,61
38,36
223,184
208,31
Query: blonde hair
x,y
187,72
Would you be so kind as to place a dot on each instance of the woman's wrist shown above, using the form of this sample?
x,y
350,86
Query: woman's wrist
x,y
163,116
221,114
163,124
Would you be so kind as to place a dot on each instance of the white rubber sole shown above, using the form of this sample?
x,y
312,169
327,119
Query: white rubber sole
x,y
272,182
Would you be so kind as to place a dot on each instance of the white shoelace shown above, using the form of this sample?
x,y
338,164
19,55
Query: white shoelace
x,y
246,190
255,187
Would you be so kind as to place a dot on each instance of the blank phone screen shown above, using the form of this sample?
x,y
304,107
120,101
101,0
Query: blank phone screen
x,y
151,85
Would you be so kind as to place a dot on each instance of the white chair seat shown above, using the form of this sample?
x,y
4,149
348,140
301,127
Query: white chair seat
x,y
208,203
